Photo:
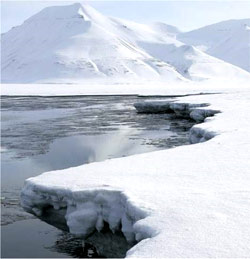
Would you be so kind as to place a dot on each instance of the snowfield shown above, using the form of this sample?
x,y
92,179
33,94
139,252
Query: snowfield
x,y
189,201
126,87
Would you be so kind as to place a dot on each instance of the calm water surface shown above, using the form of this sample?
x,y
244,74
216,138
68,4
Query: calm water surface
x,y
47,133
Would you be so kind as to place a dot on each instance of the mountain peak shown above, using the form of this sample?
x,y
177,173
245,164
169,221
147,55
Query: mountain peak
x,y
76,10
226,40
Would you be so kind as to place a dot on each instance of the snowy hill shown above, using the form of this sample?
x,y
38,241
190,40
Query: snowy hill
x,y
228,40
72,43
166,29
75,43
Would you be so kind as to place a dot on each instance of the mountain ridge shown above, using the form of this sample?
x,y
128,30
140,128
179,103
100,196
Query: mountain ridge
x,y
76,43
227,40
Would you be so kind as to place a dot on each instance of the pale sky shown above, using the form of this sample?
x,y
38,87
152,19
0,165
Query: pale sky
x,y
186,15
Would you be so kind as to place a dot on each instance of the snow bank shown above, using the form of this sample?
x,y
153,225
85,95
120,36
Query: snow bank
x,y
87,211
184,110
190,201
153,107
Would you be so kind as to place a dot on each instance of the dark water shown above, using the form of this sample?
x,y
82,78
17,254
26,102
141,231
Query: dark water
x,y
47,133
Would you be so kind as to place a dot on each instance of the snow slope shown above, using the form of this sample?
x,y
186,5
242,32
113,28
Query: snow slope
x,y
190,201
227,40
71,43
163,28
75,44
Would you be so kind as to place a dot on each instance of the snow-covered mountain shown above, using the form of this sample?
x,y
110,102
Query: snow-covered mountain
x,y
228,40
75,43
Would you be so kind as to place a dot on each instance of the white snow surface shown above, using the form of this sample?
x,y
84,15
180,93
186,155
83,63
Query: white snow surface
x,y
228,40
76,43
189,201
123,87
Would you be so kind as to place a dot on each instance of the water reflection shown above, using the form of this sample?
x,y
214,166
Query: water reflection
x,y
40,134
30,125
